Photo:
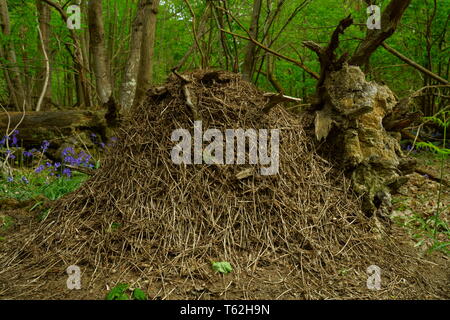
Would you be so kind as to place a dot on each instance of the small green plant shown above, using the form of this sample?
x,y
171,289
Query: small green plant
x,y
6,222
114,226
138,294
442,119
222,267
119,293
38,184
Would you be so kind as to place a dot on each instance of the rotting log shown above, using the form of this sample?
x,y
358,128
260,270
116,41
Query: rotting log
x,y
54,126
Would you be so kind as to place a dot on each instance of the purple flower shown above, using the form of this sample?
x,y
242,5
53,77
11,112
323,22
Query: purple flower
x,y
14,141
24,179
27,154
39,169
57,165
68,151
10,179
45,145
67,172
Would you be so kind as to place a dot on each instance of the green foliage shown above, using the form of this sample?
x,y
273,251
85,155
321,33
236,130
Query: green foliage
x,y
6,222
434,227
427,231
222,267
138,294
39,184
174,38
119,293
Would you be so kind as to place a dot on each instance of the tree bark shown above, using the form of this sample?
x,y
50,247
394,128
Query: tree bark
x,y
144,80
390,18
98,49
9,54
128,87
54,125
44,17
79,64
249,60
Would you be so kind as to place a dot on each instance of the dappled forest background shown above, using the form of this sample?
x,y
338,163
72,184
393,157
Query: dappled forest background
x,y
422,36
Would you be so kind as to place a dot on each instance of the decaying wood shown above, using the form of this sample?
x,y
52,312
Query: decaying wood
x,y
431,176
188,95
53,126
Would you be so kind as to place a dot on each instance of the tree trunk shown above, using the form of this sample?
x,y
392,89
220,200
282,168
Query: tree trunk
x,y
44,17
249,60
79,64
98,49
145,72
390,18
9,54
128,87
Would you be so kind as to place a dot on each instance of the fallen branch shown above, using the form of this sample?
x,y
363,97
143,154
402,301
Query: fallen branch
x,y
275,99
414,64
431,176
187,94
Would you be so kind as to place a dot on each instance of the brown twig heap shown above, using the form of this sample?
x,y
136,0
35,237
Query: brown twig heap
x,y
152,219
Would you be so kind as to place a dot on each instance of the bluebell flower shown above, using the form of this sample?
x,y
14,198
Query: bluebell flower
x,y
45,145
67,172
68,151
27,154
24,179
39,169
10,179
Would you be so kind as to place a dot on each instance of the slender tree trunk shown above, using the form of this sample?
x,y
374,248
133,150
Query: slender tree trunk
x,y
79,63
99,54
249,60
9,54
128,87
44,18
145,72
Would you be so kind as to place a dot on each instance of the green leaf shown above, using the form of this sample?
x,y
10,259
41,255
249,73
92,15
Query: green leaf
x,y
138,294
222,267
118,292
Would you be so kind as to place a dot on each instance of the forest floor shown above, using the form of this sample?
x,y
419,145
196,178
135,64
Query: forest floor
x,y
413,210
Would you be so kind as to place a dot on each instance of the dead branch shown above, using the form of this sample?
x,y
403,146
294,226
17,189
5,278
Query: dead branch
x,y
390,18
187,94
431,176
194,32
297,63
414,64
